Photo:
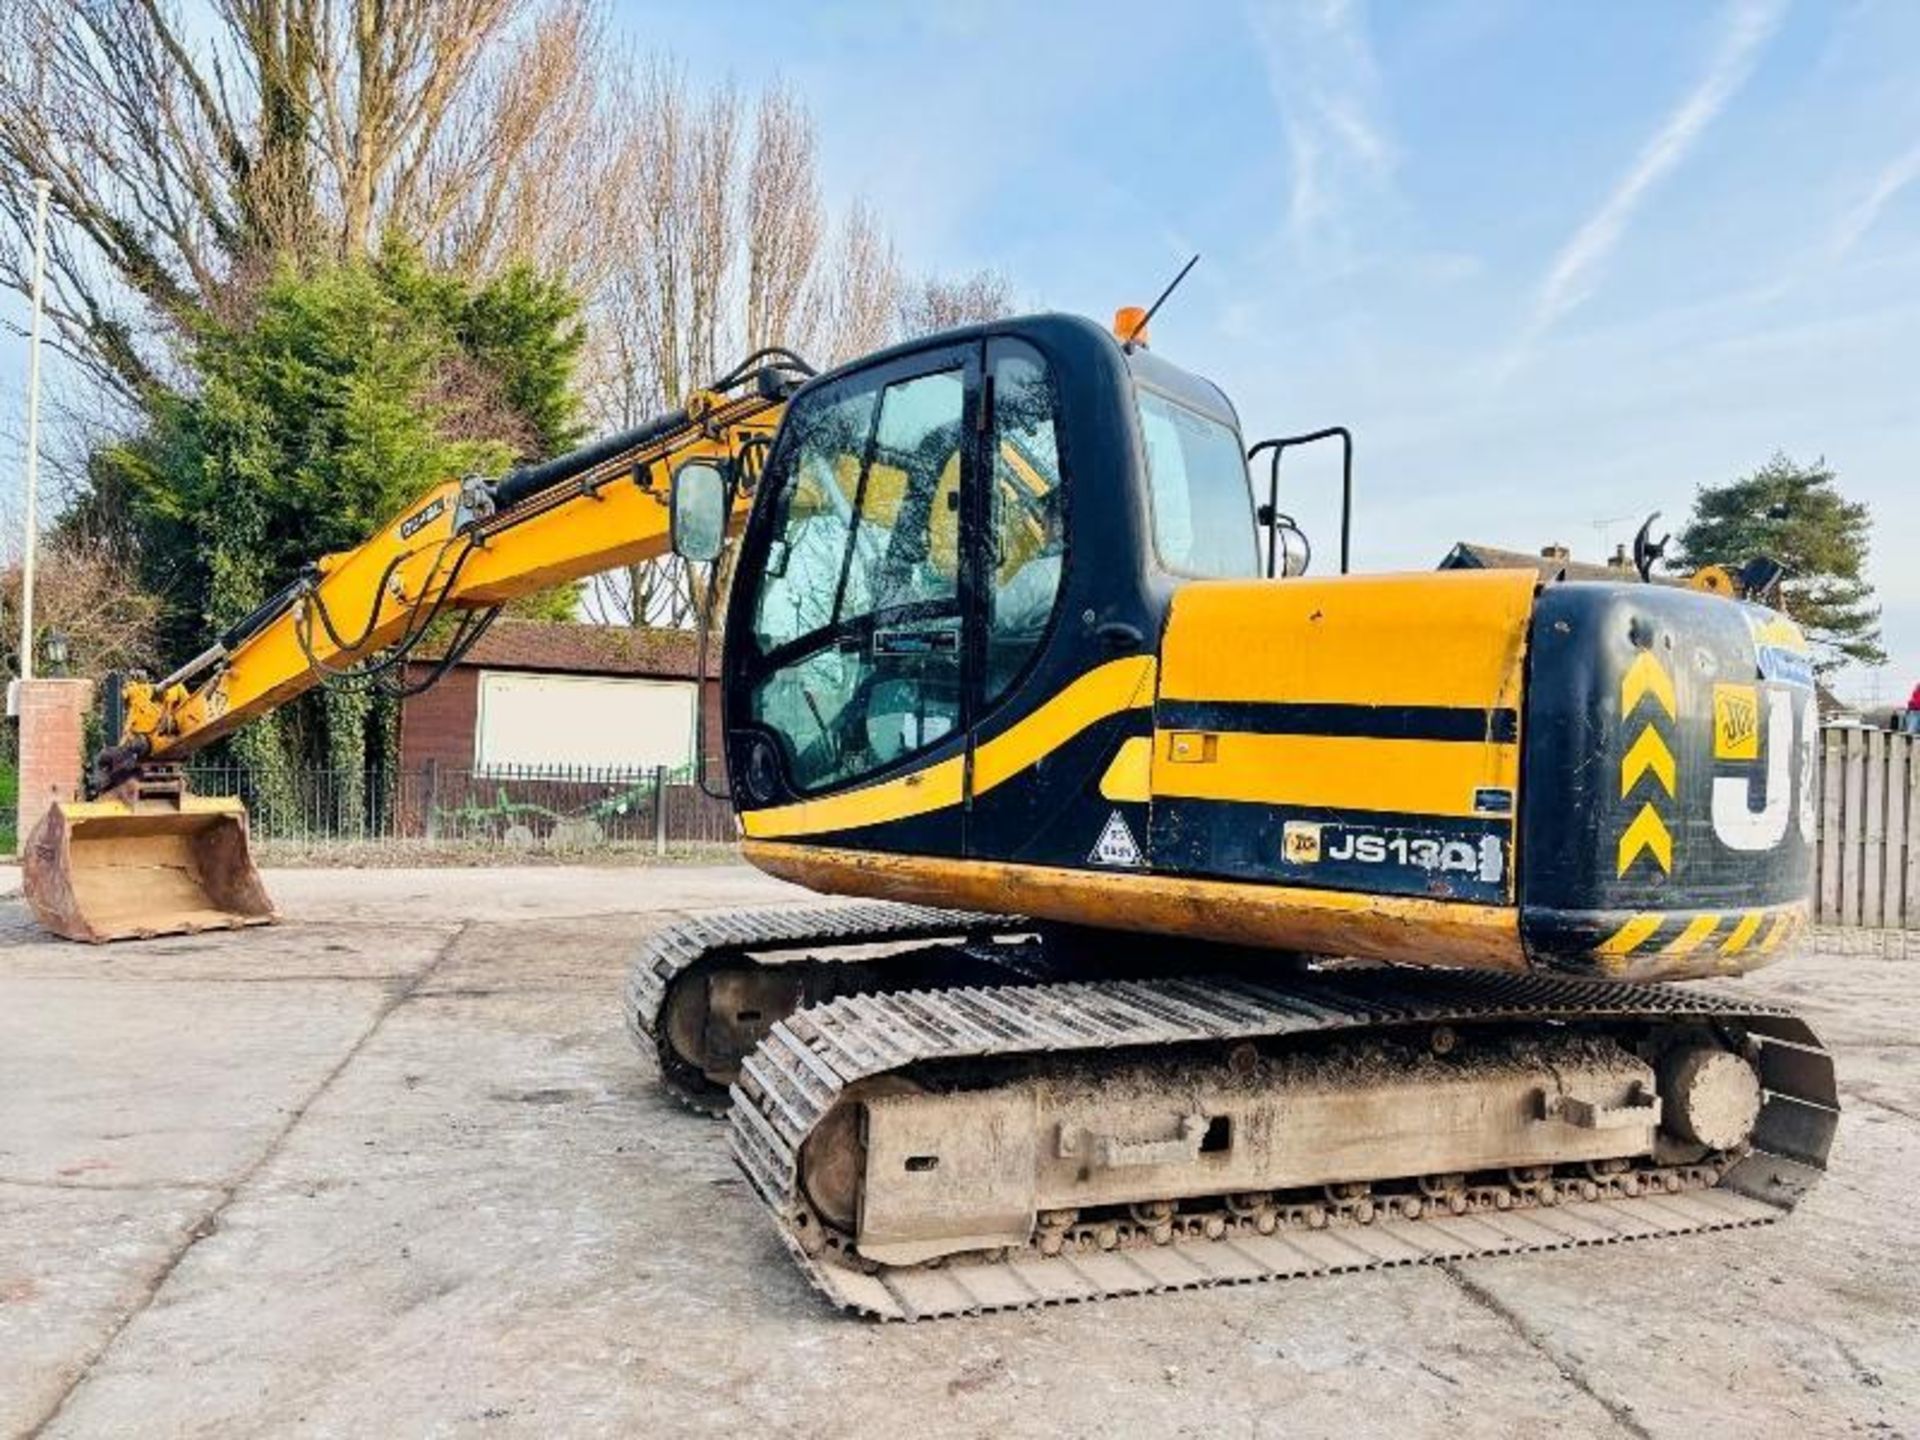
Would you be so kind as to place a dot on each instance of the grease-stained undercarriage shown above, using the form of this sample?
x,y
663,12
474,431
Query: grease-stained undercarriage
x,y
1039,1139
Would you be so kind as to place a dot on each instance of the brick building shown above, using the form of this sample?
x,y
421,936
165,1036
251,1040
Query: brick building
x,y
544,695
53,718
561,728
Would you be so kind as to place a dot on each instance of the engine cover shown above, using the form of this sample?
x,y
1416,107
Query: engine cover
x,y
1667,809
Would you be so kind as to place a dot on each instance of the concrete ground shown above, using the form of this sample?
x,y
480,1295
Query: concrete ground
x,y
392,1168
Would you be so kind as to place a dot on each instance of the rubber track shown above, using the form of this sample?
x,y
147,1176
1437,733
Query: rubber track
x,y
682,947
679,947
807,1061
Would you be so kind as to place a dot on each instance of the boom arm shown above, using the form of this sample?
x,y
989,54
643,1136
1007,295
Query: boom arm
x,y
466,546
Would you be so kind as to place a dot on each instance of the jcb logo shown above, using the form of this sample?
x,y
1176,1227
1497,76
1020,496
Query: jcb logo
x,y
1746,817
1736,722
1300,843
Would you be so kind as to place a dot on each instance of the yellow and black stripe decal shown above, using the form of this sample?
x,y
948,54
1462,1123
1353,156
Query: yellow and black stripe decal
x,y
1423,760
1704,933
1101,692
1129,777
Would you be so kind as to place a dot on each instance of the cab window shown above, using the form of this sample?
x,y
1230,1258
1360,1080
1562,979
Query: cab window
x,y
858,617
1025,527
1203,523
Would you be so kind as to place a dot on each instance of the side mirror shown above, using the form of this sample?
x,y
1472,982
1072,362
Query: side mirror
x,y
1296,551
697,516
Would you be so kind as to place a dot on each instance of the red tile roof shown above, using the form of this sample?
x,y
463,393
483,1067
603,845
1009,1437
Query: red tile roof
x,y
567,648
1467,555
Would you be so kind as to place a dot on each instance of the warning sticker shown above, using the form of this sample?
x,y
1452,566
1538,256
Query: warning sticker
x,y
1736,722
1779,647
1300,843
1116,845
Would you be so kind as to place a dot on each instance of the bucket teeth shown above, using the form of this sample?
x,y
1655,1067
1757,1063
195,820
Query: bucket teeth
x,y
123,869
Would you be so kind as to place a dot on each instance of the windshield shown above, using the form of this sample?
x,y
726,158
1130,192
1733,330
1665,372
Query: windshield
x,y
1202,503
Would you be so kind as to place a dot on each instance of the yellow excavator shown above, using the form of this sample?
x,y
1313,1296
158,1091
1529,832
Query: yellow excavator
x,y
1212,922
144,857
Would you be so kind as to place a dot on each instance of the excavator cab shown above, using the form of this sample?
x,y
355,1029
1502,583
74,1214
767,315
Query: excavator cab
x,y
947,539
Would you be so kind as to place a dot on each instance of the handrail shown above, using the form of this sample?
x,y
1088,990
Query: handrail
x,y
1279,445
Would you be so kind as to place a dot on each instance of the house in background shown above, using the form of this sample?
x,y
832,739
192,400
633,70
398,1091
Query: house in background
x,y
553,696
558,733
1554,562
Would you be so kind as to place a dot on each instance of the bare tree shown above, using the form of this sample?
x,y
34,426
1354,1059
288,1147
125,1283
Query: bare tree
x,y
728,253
783,226
932,303
184,158
90,593
726,249
669,296
532,165
858,294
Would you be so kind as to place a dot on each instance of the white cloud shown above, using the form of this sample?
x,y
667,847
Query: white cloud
x,y
1576,270
1902,172
1326,85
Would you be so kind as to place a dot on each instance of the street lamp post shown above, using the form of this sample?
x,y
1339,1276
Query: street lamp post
x,y
40,188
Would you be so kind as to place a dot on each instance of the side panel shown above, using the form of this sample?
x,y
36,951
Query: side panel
x,y
1349,734
1668,803
1403,930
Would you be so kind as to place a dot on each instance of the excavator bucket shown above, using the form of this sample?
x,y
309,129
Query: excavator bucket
x,y
119,869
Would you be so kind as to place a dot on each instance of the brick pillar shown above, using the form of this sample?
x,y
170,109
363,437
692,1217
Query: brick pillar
x,y
52,744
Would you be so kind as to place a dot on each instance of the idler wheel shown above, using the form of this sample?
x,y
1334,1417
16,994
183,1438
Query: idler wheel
x,y
1712,1096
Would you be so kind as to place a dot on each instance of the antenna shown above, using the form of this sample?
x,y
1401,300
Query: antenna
x,y
1601,524
1154,309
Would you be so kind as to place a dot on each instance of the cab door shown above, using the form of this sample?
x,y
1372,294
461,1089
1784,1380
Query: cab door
x,y
1021,798
847,696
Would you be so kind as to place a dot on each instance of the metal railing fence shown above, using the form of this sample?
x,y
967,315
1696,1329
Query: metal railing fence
x,y
557,808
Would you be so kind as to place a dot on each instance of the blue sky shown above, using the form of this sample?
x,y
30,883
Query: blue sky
x,y
1555,264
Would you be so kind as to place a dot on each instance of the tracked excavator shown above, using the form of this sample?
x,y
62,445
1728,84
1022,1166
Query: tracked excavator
x,y
1202,921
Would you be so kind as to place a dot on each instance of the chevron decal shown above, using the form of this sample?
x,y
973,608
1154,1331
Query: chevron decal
x,y
1648,833
1647,677
1648,753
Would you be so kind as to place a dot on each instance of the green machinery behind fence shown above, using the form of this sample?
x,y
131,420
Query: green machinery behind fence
x,y
571,808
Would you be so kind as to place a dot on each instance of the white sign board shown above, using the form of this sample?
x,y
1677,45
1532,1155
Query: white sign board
x,y
529,721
